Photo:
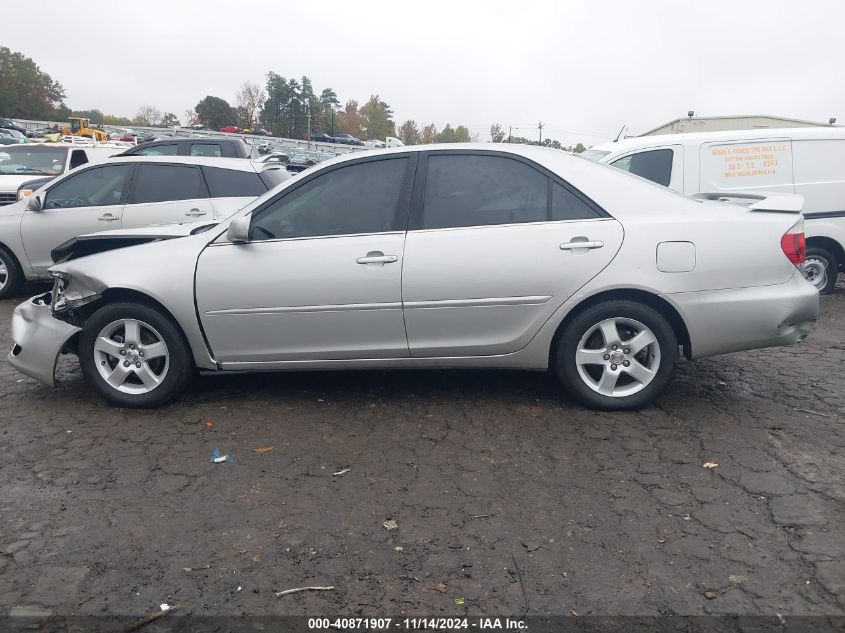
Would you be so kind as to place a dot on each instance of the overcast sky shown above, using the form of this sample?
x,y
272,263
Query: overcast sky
x,y
583,68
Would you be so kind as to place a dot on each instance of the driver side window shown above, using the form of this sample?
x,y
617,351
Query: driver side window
x,y
362,198
98,187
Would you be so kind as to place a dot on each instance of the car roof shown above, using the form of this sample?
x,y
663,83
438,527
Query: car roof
x,y
171,139
239,164
694,138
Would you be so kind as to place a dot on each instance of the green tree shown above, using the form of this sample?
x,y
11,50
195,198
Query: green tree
x,y
409,133
377,119
450,135
214,112
462,134
26,91
579,148
329,104
311,106
169,120
497,134
275,113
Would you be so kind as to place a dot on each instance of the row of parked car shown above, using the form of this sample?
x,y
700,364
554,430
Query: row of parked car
x,y
478,255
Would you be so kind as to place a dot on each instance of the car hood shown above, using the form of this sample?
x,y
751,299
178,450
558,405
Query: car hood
x,y
92,243
10,183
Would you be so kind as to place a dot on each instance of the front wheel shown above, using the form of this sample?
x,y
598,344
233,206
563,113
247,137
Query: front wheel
x,y
134,356
821,269
11,277
616,355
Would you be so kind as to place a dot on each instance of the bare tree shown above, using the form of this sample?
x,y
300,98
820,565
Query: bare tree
x,y
148,115
249,102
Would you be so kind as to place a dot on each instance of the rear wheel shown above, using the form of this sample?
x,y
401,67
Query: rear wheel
x,y
617,355
134,356
11,277
821,269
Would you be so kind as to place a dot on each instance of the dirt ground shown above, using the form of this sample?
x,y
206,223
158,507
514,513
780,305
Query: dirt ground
x,y
495,479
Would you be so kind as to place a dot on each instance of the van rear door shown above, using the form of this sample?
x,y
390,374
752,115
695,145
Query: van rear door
x,y
764,165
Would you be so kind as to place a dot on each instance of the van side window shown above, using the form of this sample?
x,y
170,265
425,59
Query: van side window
x,y
78,158
654,165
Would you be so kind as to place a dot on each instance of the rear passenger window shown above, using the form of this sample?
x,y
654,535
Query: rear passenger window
x,y
161,183
206,149
467,190
568,206
233,183
655,165
158,150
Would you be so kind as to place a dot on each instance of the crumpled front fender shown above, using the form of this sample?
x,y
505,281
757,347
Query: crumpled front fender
x,y
38,338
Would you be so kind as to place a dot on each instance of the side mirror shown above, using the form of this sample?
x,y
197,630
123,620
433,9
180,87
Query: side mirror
x,y
34,203
238,232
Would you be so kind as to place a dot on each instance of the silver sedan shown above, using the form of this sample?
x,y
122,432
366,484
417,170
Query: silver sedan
x,y
490,256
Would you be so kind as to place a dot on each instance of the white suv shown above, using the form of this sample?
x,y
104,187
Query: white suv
x,y
122,192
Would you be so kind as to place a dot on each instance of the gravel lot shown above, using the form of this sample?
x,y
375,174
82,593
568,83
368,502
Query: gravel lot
x,y
114,511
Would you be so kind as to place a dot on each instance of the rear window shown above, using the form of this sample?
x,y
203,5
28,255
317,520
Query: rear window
x,y
206,149
654,165
594,154
274,177
158,150
233,183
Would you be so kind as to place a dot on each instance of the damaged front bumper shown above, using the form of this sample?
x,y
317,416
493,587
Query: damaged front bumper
x,y
38,338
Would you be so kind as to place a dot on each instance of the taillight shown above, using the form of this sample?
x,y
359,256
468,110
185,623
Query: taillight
x,y
794,245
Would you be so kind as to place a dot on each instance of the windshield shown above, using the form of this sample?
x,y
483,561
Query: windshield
x,y
44,161
594,154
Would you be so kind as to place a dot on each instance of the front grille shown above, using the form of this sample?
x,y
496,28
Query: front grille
x,y
8,198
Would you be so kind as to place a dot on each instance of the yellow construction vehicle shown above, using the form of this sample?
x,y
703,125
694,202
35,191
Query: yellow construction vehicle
x,y
82,127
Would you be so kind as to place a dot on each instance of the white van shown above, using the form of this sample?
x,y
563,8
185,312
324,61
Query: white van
x,y
808,161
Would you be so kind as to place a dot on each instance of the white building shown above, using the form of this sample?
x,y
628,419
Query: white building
x,y
724,123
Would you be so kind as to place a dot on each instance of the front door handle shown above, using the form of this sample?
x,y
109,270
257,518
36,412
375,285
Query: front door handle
x,y
195,213
377,257
108,217
569,246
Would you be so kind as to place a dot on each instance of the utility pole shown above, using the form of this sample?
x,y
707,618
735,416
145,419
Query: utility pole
x,y
540,125
308,114
332,108
510,129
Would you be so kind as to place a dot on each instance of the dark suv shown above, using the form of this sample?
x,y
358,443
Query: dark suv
x,y
211,147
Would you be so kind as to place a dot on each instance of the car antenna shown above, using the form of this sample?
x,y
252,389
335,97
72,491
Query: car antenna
x,y
616,140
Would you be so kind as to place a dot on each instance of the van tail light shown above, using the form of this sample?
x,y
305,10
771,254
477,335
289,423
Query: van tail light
x,y
794,245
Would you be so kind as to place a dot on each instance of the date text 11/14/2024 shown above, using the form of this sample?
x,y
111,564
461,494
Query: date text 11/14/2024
x,y
415,624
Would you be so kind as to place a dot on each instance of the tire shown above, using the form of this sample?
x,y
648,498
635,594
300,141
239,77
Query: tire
x,y
11,276
821,269
134,355
597,376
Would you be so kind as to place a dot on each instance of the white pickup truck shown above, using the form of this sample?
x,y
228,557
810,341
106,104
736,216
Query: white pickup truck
x,y
808,161
40,162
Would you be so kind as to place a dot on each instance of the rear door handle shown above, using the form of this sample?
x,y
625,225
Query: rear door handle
x,y
195,213
377,257
568,246
108,217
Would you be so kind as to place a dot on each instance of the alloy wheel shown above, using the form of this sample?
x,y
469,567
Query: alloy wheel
x,y
4,274
618,357
131,356
815,270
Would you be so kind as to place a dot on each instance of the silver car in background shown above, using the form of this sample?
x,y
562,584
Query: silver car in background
x,y
489,256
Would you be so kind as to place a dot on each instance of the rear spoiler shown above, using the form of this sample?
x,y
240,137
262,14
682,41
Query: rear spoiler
x,y
775,202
